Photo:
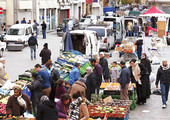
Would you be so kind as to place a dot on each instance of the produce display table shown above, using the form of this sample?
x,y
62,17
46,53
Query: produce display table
x,y
113,90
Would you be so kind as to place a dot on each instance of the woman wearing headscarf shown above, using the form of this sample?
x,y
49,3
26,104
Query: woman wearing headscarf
x,y
139,72
46,110
18,103
90,82
147,64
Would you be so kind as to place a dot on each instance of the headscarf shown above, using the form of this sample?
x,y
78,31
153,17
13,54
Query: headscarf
x,y
89,69
44,98
19,89
166,67
136,71
1,59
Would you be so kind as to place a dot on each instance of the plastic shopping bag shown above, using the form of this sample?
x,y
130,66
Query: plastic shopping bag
x,y
152,78
27,91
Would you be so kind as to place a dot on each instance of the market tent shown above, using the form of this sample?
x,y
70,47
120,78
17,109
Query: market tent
x,y
153,11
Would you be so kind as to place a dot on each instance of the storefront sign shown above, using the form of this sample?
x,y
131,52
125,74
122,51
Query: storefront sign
x,y
88,1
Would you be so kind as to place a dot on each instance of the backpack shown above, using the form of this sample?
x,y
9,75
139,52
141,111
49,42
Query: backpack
x,y
31,41
34,27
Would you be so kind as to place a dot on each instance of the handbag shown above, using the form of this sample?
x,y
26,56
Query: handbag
x,y
26,91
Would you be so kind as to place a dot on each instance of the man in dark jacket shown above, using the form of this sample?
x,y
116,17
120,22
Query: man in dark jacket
x,y
46,110
44,27
98,71
36,91
124,81
104,64
32,42
135,30
163,75
45,54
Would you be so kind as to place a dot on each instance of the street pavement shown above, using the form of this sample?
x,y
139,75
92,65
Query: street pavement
x,y
19,61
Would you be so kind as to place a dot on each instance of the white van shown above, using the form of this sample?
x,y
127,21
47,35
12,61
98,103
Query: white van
x,y
17,36
84,41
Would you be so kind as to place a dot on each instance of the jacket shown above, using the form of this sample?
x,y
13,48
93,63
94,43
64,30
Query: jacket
x,y
98,71
36,90
13,106
55,75
60,109
147,64
74,75
60,90
83,112
35,41
124,77
104,64
3,78
135,29
44,26
45,78
47,111
91,85
45,54
78,86
163,76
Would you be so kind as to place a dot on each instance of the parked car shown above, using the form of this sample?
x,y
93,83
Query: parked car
x,y
84,22
106,35
84,41
72,24
93,18
17,36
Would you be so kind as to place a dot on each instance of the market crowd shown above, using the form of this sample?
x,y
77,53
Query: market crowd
x,y
53,98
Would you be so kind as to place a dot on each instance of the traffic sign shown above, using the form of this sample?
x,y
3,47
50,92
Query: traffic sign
x,y
1,10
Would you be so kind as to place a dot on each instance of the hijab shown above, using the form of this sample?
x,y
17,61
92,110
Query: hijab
x,y
89,69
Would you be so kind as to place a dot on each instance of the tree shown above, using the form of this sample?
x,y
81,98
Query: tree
x,y
138,1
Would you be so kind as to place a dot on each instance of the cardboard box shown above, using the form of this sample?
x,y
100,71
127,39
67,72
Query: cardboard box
x,y
119,49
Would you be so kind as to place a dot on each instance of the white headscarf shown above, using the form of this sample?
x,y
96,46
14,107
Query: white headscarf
x,y
89,69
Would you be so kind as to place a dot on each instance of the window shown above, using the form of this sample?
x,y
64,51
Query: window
x,y
100,32
13,31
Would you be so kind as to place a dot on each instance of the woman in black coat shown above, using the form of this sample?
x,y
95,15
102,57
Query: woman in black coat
x,y
46,110
90,82
147,65
36,91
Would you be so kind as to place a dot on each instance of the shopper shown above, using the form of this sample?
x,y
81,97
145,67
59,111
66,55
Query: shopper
x,y
115,72
124,81
98,73
29,22
35,27
46,88
135,30
45,54
60,90
3,77
23,21
44,27
146,62
104,64
132,78
36,91
90,82
18,103
46,110
139,44
17,22
54,76
32,42
139,73
163,75
63,106
74,74
78,86
67,86
129,28
78,108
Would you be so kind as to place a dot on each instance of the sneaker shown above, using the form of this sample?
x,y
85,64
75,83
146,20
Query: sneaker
x,y
163,106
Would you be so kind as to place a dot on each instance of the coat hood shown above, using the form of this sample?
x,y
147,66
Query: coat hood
x,y
49,104
81,84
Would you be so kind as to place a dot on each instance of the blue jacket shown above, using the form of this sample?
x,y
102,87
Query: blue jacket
x,y
124,77
74,75
46,78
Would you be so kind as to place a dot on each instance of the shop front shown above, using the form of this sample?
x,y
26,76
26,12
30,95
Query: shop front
x,y
64,12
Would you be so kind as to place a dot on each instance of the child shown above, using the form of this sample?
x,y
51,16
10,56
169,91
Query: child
x,y
67,86
115,72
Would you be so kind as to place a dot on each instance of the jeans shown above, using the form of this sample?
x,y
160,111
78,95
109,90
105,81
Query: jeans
x,y
44,34
139,51
129,33
135,34
164,92
33,49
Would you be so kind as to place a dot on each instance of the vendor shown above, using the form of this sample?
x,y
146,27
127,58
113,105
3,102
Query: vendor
x,y
63,106
3,77
18,103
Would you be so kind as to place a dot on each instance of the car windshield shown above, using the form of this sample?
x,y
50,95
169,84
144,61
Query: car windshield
x,y
82,20
13,31
88,17
100,32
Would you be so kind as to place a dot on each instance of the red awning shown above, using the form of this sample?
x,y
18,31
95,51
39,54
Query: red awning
x,y
153,10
